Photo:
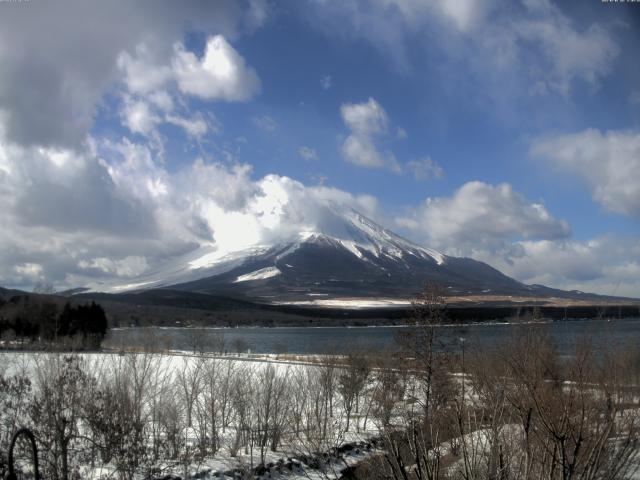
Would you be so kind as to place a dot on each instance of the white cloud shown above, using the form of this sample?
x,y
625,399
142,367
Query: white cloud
x,y
195,127
501,45
151,99
152,88
130,266
308,153
479,215
362,151
609,162
497,225
265,123
366,204
142,73
608,265
366,118
462,12
367,122
30,271
221,74
138,117
54,74
569,53
68,211
162,100
424,169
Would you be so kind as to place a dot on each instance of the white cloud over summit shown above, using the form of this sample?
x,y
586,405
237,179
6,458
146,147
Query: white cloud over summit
x,y
113,210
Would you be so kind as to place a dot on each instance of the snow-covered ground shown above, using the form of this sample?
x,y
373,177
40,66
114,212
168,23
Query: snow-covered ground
x,y
288,394
293,460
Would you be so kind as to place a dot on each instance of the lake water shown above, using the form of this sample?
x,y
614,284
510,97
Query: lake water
x,y
340,340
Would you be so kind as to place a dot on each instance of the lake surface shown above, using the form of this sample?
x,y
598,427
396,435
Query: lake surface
x,y
341,340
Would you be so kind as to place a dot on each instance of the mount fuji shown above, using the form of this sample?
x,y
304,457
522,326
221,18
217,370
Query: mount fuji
x,y
339,255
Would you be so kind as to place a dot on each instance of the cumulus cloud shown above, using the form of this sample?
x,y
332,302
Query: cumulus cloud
x,y
522,239
61,68
366,118
609,162
221,74
307,153
368,124
607,265
326,81
154,93
479,215
367,121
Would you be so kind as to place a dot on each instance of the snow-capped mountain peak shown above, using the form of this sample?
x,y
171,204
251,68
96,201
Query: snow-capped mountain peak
x,y
337,245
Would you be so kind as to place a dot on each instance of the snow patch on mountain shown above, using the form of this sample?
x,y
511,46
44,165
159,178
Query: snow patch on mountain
x,y
261,274
355,303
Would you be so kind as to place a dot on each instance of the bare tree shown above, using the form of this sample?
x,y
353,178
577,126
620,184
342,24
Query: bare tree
x,y
116,429
189,380
15,390
241,392
351,382
171,424
56,409
299,398
425,418
270,407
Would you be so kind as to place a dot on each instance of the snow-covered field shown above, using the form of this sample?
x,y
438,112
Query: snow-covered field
x,y
149,415
197,390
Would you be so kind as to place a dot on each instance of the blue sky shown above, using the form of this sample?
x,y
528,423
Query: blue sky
x,y
505,131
